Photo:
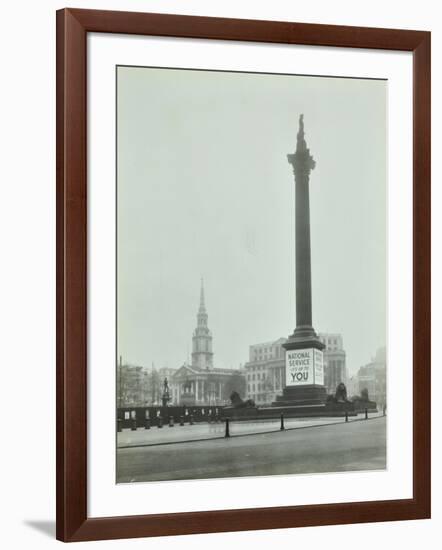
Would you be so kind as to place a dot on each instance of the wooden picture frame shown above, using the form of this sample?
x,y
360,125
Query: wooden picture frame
x,y
73,523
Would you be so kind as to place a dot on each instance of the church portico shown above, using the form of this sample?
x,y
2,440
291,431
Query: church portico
x,y
194,386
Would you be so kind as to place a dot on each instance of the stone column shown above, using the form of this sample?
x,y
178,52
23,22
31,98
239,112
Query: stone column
x,y
302,163
304,372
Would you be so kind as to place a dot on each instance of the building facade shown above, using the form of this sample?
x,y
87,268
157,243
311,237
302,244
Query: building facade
x,y
196,386
353,386
335,369
373,377
265,371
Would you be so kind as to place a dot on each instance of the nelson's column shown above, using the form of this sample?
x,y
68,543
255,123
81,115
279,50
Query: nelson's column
x,y
304,357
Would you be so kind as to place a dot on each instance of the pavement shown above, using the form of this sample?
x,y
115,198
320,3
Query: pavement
x,y
204,430
335,447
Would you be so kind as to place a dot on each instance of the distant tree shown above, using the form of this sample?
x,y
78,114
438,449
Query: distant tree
x,y
131,385
364,394
235,383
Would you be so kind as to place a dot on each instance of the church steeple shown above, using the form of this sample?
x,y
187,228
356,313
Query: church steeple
x,y
202,308
202,355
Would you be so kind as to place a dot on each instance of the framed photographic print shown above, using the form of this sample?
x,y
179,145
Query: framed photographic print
x,y
243,274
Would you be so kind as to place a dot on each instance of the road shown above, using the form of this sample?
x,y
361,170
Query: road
x,y
334,448
204,430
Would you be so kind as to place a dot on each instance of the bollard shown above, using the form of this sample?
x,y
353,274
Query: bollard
x,y
366,414
170,421
160,422
147,424
383,410
181,420
227,428
119,425
134,425
282,422
346,416
191,420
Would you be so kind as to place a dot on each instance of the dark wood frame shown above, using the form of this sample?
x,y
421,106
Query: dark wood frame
x,y
73,523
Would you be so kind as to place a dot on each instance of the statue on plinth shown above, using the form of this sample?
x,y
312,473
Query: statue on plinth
x,y
341,393
166,395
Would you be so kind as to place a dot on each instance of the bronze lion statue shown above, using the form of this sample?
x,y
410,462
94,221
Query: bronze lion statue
x,y
239,403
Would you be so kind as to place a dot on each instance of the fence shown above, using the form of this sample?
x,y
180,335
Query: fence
x,y
146,417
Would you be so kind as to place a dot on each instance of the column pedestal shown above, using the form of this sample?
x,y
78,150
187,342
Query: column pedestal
x,y
304,384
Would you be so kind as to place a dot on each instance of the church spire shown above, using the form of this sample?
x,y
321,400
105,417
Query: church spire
x,y
202,355
202,308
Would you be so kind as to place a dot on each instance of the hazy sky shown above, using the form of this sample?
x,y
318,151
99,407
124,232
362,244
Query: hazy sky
x,y
205,190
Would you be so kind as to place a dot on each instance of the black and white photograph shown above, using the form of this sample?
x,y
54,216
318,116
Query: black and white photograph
x,y
251,274
220,277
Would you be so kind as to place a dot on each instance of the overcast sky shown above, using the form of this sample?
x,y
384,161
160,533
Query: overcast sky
x,y
205,190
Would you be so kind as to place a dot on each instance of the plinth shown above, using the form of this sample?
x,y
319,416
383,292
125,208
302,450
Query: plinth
x,y
304,373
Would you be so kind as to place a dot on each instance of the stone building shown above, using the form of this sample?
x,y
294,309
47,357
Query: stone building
x,y
199,383
196,386
335,369
353,386
265,371
373,377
